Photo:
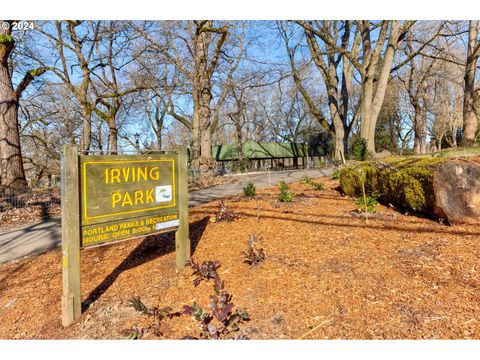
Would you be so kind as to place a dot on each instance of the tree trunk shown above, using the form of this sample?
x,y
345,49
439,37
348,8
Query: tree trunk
x,y
11,162
339,143
238,130
113,136
158,134
86,128
366,114
446,188
159,117
372,97
420,132
202,110
469,114
195,151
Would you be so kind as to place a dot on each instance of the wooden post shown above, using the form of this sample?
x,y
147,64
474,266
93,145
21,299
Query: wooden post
x,y
71,303
182,237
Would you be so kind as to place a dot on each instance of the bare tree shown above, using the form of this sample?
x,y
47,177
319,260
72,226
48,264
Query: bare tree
x,y
112,86
74,43
374,64
419,79
203,43
11,163
336,72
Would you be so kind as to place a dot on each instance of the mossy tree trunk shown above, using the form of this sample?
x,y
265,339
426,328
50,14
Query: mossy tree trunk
x,y
441,187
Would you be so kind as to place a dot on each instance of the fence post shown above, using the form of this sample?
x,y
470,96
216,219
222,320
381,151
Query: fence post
x,y
71,303
182,238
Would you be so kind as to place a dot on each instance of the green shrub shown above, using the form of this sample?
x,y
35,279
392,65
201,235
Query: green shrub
x,y
360,150
249,190
368,203
285,193
336,174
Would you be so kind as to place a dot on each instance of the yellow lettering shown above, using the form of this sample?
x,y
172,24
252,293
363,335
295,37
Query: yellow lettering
x,y
149,196
142,173
106,176
126,172
154,174
138,195
127,200
116,197
114,175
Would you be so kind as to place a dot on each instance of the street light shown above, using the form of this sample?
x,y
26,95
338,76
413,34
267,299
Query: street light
x,y
137,141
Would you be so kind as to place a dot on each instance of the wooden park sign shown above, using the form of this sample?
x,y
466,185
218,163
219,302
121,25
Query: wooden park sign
x,y
109,198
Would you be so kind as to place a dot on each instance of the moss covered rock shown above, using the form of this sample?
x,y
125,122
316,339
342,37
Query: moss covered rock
x,y
445,186
404,182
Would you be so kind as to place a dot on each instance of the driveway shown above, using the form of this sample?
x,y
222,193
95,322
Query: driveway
x,y
47,235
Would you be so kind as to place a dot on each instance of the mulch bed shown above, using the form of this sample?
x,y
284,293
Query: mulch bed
x,y
328,274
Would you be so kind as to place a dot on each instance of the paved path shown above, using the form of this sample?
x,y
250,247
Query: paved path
x,y
47,235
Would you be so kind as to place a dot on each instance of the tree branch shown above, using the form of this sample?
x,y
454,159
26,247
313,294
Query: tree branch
x,y
27,79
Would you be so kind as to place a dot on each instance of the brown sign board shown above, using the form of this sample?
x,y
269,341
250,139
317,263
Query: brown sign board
x,y
109,198
127,196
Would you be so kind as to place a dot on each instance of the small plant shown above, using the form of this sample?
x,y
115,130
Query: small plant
x,y
215,322
249,190
317,186
368,203
157,313
285,193
254,255
308,181
134,333
224,213
220,319
208,270
336,174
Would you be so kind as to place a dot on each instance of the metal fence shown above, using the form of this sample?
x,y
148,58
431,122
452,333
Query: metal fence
x,y
259,165
40,203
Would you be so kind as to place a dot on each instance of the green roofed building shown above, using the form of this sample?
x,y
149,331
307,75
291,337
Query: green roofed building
x,y
259,150
262,155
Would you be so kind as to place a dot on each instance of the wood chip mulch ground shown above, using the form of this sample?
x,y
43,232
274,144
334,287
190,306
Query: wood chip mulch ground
x,y
328,274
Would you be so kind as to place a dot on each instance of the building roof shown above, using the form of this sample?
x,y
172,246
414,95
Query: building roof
x,y
259,150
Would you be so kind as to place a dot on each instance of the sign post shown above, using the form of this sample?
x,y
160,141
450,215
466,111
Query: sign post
x,y
71,303
182,237
108,198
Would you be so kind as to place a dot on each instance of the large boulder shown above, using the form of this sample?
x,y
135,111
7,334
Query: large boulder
x,y
447,188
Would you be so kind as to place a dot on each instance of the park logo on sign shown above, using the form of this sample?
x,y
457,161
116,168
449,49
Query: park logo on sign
x,y
163,193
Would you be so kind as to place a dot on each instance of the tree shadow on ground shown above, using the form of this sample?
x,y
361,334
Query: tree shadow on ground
x,y
151,248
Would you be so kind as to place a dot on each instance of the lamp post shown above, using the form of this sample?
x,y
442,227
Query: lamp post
x,y
137,142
